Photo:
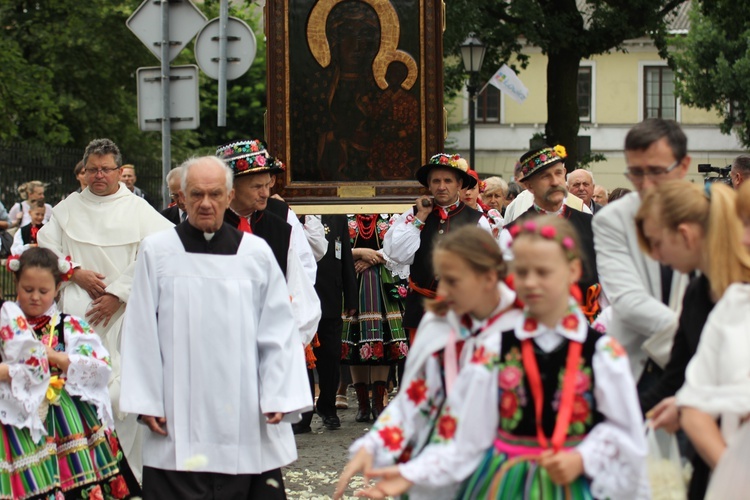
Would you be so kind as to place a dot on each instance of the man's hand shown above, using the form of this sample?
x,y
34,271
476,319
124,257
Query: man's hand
x,y
274,418
102,309
90,281
422,210
563,467
361,462
157,425
665,415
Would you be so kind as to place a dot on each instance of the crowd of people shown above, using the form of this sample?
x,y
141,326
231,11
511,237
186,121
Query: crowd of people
x,y
508,340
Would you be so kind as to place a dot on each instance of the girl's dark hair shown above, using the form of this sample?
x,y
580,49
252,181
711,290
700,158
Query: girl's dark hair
x,y
40,257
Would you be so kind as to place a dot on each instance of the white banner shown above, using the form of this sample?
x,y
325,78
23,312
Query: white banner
x,y
506,80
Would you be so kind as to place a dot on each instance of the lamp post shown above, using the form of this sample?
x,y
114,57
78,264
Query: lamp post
x,y
472,54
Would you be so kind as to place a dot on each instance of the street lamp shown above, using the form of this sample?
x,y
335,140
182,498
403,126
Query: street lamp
x,y
472,54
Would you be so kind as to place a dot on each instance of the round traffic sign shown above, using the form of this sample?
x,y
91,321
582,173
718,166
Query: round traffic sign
x,y
241,48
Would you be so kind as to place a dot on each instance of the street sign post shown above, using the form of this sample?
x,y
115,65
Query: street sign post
x,y
225,50
185,21
183,94
151,24
241,48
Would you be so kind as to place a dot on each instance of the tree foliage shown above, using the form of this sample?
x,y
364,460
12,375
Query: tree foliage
x,y
565,30
712,63
69,75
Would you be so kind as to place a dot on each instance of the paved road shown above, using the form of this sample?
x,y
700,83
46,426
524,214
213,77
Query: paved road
x,y
322,456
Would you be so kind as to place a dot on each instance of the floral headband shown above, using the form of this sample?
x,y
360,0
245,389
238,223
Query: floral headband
x,y
546,232
65,266
539,160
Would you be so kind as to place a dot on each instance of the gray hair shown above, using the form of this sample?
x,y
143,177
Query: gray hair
x,y
591,174
742,163
492,184
175,172
190,163
101,147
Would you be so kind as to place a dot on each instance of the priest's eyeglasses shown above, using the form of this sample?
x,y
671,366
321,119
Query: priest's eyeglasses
x,y
638,173
96,171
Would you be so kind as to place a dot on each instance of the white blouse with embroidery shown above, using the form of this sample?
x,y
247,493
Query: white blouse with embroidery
x,y
408,421
613,452
21,397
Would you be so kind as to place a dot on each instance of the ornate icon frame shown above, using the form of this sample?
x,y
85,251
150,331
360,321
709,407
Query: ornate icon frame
x,y
427,18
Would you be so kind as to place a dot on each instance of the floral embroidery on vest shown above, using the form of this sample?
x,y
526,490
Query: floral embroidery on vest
x,y
583,401
512,390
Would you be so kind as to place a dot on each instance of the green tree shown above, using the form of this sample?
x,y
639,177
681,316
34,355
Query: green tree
x,y
712,63
69,75
565,30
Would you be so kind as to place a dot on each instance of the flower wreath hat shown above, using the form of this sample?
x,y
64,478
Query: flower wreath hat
x,y
450,162
249,157
537,160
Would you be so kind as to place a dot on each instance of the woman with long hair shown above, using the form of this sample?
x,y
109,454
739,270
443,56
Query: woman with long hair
x,y
690,229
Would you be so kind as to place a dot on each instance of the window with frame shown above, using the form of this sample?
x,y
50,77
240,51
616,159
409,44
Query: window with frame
x,y
659,99
583,93
488,105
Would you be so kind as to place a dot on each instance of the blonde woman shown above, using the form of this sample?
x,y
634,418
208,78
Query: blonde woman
x,y
29,192
691,229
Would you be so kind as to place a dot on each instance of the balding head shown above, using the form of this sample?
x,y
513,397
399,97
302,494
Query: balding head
x,y
206,192
581,184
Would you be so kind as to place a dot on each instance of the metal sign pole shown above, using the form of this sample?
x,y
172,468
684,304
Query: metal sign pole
x,y
166,130
223,20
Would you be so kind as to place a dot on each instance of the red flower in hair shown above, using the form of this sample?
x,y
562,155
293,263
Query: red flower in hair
x,y
548,232
514,230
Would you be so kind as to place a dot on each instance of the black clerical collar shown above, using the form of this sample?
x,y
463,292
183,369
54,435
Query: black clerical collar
x,y
225,241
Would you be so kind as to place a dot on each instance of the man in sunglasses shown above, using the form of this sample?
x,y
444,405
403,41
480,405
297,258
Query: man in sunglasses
x,y
644,295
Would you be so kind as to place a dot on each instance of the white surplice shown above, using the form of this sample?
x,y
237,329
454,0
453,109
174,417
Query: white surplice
x,y
210,343
102,234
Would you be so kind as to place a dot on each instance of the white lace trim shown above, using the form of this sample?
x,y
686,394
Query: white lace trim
x,y
396,269
614,474
26,462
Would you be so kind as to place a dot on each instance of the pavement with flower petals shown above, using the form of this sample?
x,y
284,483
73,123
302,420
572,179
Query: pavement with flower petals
x,y
322,456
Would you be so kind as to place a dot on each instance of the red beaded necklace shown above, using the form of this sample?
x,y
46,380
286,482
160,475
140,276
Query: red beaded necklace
x,y
366,225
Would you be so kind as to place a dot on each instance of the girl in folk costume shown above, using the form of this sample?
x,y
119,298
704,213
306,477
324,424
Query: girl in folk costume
x,y
374,338
545,409
58,439
473,302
